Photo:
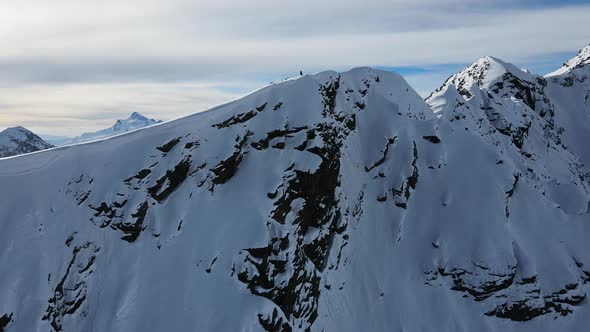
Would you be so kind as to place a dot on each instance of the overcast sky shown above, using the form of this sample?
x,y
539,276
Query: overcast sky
x,y
69,66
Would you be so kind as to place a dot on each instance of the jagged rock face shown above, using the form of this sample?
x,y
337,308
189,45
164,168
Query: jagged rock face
x,y
332,202
19,140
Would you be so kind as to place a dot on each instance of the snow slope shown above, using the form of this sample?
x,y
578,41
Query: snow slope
x,y
570,94
331,202
19,140
135,121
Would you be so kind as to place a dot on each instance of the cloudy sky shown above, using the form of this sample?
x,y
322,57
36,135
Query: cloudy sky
x,y
69,66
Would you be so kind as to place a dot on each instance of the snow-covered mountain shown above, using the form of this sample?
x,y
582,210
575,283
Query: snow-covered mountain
x,y
540,123
19,140
329,202
135,121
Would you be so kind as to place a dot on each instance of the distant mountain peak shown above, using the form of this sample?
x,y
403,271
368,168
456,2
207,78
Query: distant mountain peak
x,y
483,73
19,140
137,116
580,60
135,121
17,129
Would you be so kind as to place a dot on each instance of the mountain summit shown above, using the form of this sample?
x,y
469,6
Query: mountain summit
x,y
483,73
19,140
135,121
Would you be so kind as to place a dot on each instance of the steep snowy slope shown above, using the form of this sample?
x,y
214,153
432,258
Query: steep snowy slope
x,y
135,121
570,94
19,140
332,202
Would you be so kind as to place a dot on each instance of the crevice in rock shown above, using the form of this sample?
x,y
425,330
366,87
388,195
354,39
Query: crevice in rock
x,y
381,160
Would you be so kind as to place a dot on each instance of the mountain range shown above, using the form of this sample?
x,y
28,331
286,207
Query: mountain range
x,y
19,140
133,122
328,202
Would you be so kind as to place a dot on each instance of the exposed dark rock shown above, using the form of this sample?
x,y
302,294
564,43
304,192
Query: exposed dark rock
x,y
83,197
4,321
70,239
70,293
329,92
261,107
208,270
481,289
301,256
228,167
310,135
402,195
105,210
509,194
519,311
517,135
432,139
169,146
520,300
560,302
381,160
274,323
140,175
240,118
168,183
192,145
264,143
401,205
277,106
134,229
114,216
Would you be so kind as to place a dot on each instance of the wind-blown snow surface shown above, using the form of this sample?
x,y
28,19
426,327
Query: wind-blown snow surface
x,y
19,140
135,121
332,202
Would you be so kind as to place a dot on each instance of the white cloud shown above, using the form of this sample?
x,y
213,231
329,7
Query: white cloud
x,y
165,43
